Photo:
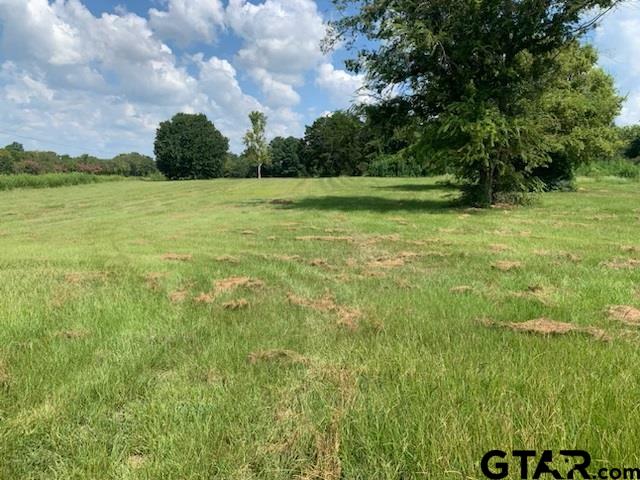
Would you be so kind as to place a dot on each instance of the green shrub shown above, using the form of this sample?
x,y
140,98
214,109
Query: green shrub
x,y
48,180
619,167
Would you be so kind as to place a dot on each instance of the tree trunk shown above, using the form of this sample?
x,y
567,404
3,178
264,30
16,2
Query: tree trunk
x,y
259,170
486,184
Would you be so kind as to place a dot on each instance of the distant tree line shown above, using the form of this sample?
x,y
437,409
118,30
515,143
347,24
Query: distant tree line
x,y
14,160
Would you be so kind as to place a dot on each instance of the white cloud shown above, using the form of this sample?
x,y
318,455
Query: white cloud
x,y
618,41
188,21
281,42
342,86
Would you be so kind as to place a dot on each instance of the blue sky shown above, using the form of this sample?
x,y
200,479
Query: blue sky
x,y
97,76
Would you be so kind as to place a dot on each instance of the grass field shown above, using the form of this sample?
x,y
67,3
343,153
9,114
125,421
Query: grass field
x,y
313,328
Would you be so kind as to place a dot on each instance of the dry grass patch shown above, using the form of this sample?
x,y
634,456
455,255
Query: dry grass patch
x,y
248,232
76,278
279,356
177,257
346,316
136,461
232,283
227,259
326,238
236,304
622,264
506,265
630,249
318,262
178,296
499,247
397,260
152,279
72,334
547,327
536,292
5,377
625,313
461,289
204,297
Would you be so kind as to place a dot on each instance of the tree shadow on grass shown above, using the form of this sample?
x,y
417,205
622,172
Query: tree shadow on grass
x,y
373,204
418,187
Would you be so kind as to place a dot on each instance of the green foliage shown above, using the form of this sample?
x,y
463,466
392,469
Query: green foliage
x,y
256,146
335,145
133,165
619,167
630,137
50,180
396,165
286,158
6,162
581,104
14,147
189,146
474,73
238,166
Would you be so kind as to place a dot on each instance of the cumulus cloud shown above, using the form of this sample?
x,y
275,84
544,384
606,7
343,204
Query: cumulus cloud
x,y
281,42
188,21
342,86
104,83
618,41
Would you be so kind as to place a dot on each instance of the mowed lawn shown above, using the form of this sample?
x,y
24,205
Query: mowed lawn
x,y
317,328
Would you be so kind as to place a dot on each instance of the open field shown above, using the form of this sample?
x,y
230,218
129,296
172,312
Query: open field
x,y
312,328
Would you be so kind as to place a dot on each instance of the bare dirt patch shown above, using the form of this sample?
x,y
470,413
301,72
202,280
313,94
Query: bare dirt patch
x,y
506,265
177,257
236,304
625,314
278,355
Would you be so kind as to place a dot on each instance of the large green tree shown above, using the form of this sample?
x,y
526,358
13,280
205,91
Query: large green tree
x,y
473,72
581,104
190,146
255,142
335,145
286,157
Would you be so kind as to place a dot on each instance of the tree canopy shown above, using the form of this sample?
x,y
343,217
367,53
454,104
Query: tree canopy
x,y
474,72
189,146
256,146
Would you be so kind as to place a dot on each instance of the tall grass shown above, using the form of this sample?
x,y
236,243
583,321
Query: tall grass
x,y
49,180
611,168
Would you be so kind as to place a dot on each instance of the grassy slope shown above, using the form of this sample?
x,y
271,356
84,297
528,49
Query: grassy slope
x,y
104,377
